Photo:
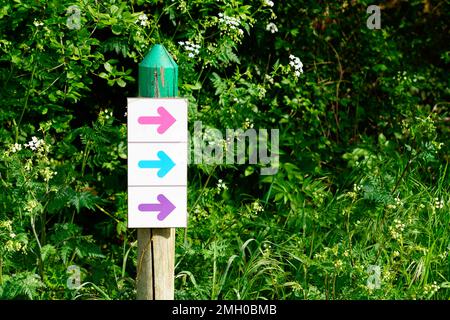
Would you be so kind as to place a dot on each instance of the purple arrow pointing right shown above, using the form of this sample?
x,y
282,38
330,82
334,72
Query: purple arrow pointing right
x,y
165,207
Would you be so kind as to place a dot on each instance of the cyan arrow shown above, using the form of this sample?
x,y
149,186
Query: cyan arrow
x,y
164,207
164,164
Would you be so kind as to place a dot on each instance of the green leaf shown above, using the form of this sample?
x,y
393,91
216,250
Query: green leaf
x,y
47,251
117,29
379,68
249,170
121,83
108,67
84,200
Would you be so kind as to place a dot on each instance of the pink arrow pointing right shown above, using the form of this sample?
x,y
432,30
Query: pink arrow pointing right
x,y
165,120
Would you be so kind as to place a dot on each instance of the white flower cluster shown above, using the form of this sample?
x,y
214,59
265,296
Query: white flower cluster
x,y
12,246
257,207
398,203
34,144
47,174
221,186
338,264
248,123
397,229
438,204
38,23
105,114
404,76
401,75
267,249
444,254
192,48
354,194
200,213
231,22
268,3
296,64
430,289
6,224
31,205
272,27
268,78
142,20
16,147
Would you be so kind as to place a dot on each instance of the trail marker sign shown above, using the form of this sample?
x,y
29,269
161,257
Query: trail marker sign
x,y
157,162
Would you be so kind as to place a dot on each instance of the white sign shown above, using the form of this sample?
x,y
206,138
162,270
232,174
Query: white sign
x,y
157,163
157,207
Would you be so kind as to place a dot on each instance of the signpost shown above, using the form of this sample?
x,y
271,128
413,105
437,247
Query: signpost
x,y
157,172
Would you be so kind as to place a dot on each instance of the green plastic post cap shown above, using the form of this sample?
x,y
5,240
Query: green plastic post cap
x,y
158,65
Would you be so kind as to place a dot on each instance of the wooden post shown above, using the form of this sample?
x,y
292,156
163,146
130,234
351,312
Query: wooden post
x,y
158,78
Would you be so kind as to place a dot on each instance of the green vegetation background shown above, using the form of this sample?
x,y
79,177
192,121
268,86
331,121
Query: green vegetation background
x,y
358,210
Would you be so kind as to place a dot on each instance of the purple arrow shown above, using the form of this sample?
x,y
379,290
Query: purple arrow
x,y
165,120
165,207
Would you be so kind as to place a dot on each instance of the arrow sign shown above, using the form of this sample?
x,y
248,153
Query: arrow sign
x,y
164,207
165,120
164,164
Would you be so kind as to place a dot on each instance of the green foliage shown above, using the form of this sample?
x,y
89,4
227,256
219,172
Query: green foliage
x,y
363,178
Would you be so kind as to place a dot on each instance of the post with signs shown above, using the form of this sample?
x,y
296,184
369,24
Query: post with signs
x,y
157,172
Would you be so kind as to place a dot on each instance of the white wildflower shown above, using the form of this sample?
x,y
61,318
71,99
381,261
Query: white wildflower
x,y
430,289
34,144
230,26
221,186
438,204
397,229
248,123
38,23
272,27
106,114
338,264
269,78
142,19
193,49
257,207
16,147
296,64
230,21
268,3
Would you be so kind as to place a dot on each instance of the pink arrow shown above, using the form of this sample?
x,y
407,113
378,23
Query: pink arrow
x,y
165,120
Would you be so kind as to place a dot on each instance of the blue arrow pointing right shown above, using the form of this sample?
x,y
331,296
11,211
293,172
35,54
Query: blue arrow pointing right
x,y
164,164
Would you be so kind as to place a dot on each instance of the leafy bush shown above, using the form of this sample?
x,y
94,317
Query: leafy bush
x,y
363,181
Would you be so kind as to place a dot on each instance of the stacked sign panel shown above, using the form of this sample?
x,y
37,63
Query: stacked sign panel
x,y
157,163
